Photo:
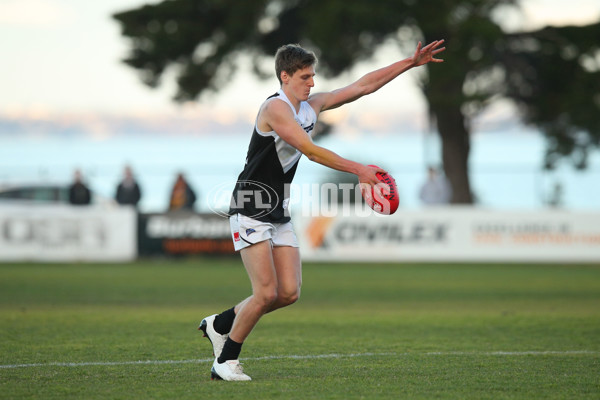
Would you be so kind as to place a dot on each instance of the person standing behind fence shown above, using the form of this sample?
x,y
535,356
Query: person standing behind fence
x,y
182,195
436,189
79,194
128,190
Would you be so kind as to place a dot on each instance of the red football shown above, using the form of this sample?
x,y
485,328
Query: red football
x,y
376,196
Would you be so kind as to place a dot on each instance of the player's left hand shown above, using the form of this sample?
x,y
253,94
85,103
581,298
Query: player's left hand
x,y
427,53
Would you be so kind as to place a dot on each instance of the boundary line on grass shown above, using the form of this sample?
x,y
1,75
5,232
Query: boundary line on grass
x,y
304,357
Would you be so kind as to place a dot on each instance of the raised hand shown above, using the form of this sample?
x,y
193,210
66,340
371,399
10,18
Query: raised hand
x,y
427,53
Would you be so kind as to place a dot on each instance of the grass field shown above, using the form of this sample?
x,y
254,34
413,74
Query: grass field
x,y
358,332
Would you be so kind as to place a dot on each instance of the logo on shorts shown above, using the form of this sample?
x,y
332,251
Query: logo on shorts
x,y
236,236
250,231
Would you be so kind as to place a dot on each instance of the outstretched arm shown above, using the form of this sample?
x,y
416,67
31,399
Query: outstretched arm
x,y
277,115
374,80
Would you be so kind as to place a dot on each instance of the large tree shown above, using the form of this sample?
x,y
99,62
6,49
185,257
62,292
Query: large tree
x,y
553,74
203,39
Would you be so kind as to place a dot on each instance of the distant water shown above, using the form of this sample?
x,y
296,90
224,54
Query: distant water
x,y
505,167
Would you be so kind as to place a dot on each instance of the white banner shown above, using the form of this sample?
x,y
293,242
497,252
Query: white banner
x,y
67,233
452,234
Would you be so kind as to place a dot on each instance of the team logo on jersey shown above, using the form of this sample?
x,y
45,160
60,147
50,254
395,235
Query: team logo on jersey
x,y
236,236
309,128
250,231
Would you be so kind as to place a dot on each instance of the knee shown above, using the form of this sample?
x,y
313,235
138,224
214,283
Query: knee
x,y
286,298
266,297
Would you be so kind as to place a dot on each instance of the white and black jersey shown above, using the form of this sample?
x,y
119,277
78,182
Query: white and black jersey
x,y
262,189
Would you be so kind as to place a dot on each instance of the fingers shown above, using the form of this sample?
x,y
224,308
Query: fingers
x,y
433,46
417,51
432,50
430,45
376,169
433,53
436,43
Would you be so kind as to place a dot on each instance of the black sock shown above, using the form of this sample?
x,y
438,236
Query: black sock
x,y
231,351
224,321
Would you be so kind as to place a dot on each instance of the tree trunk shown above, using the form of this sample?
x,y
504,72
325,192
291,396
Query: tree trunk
x,y
455,151
445,97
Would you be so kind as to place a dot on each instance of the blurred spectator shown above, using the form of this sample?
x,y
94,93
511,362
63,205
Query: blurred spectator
x,y
128,190
556,196
79,194
436,190
182,195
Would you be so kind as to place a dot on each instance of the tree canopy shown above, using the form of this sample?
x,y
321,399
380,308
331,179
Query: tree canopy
x,y
554,76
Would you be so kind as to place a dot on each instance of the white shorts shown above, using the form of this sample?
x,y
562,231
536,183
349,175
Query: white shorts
x,y
247,231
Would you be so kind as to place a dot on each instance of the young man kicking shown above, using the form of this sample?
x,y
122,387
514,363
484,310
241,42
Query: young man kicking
x,y
259,218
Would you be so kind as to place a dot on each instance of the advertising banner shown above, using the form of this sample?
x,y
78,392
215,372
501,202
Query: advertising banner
x,y
452,234
67,233
184,233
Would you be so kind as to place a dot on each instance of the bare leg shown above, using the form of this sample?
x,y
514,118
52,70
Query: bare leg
x,y
276,277
289,276
258,260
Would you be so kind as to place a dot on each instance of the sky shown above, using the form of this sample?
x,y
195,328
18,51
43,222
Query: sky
x,y
61,62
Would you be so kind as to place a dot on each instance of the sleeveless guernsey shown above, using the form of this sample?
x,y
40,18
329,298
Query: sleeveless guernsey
x,y
262,189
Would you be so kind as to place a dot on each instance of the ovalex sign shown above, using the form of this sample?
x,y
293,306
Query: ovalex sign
x,y
453,234
184,233
67,233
